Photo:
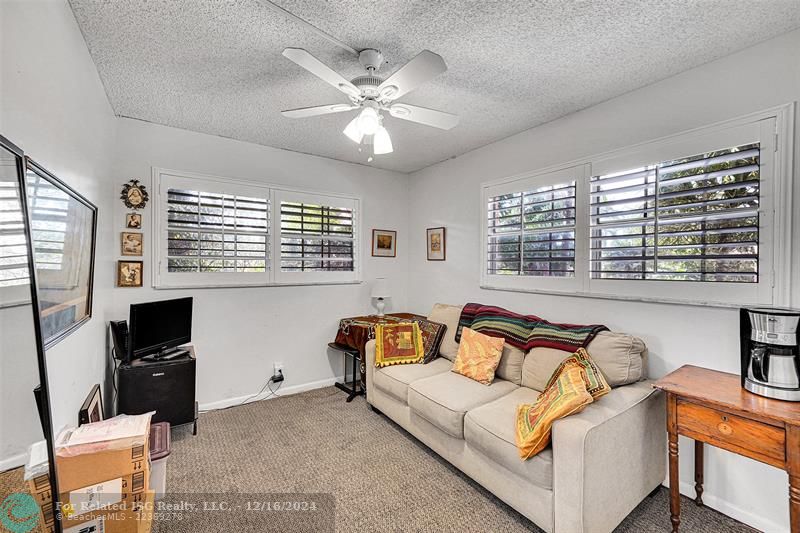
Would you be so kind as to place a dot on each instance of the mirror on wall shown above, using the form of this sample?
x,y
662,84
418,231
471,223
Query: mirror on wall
x,y
63,225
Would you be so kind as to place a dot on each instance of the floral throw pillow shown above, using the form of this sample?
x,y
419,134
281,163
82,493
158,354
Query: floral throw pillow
x,y
397,344
596,383
567,395
478,356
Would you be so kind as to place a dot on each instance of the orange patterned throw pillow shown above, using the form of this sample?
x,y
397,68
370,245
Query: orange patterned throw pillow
x,y
478,356
397,344
567,395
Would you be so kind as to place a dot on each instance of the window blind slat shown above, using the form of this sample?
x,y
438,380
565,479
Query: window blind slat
x,y
316,238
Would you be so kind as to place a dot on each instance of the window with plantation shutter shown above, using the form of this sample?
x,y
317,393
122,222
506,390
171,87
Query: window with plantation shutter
x,y
219,232
701,217
215,232
316,238
690,219
532,233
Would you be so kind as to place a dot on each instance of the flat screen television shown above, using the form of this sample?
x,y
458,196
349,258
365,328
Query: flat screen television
x,y
157,328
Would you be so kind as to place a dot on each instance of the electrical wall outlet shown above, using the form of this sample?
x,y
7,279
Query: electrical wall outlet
x,y
277,368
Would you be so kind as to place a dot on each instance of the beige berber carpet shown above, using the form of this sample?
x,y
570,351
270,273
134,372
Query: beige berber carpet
x,y
380,477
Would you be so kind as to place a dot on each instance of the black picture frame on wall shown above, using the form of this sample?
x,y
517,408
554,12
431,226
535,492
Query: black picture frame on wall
x,y
65,269
42,392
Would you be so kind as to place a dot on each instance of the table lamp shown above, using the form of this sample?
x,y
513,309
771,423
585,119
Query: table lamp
x,y
380,291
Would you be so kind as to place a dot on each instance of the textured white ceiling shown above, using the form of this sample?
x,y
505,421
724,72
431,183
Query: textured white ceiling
x,y
215,66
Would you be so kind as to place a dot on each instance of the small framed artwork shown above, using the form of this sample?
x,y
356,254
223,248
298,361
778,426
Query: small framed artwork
x,y
133,221
436,244
131,243
384,243
129,273
92,408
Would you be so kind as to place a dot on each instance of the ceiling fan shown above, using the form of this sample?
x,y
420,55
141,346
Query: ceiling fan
x,y
373,95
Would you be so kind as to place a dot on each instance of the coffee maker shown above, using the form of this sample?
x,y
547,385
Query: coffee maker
x,y
771,352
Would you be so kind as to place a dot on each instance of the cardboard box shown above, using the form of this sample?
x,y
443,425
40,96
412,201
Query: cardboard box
x,y
128,490
88,469
136,518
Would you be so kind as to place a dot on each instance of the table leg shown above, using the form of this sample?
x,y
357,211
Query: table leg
x,y
698,472
793,466
674,471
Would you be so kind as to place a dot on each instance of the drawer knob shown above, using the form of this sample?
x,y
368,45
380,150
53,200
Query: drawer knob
x,y
724,428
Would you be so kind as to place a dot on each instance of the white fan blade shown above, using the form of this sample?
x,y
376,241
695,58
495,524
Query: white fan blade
x,y
424,66
423,115
303,112
321,70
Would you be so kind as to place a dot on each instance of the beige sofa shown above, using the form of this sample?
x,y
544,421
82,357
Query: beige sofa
x,y
602,462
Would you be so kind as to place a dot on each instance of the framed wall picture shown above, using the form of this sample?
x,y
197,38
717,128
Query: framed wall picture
x,y
436,244
92,408
384,243
131,243
133,221
130,273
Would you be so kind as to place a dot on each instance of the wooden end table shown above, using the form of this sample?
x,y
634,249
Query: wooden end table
x,y
712,407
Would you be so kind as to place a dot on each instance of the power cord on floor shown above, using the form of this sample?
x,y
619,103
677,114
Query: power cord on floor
x,y
272,392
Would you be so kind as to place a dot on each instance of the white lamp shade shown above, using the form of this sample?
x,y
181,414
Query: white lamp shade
x,y
380,288
353,131
383,143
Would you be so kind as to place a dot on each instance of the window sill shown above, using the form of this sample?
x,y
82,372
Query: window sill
x,y
164,286
578,294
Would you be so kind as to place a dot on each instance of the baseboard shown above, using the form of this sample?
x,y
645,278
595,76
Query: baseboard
x,y
742,515
283,391
15,461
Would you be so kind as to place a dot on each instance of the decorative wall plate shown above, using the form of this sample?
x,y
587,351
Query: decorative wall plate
x,y
134,195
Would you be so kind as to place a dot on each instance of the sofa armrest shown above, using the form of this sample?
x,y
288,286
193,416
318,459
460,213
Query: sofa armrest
x,y
607,458
369,366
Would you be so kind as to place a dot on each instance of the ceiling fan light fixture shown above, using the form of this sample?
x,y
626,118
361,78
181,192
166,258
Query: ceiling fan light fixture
x,y
382,142
353,131
368,121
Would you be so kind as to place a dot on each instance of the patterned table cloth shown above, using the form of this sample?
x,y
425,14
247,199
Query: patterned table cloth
x,y
356,331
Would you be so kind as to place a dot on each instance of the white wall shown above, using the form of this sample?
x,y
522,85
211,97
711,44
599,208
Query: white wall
x,y
448,194
53,106
239,333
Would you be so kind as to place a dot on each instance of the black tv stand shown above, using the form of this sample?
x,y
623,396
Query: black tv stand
x,y
164,386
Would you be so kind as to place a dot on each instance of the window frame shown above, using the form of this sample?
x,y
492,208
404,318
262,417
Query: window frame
x,y
526,182
162,279
775,128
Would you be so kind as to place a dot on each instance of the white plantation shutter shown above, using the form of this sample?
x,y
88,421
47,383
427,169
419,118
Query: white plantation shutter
x,y
216,232
13,252
691,219
220,232
532,233
317,241
316,238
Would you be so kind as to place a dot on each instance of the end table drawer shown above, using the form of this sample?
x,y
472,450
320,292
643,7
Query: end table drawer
x,y
757,440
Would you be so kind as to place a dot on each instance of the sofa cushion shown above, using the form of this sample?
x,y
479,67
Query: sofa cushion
x,y
447,315
617,355
398,344
444,399
490,429
478,356
394,380
510,367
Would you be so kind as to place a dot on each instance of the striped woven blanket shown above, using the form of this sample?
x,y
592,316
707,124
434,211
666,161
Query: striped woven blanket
x,y
525,331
